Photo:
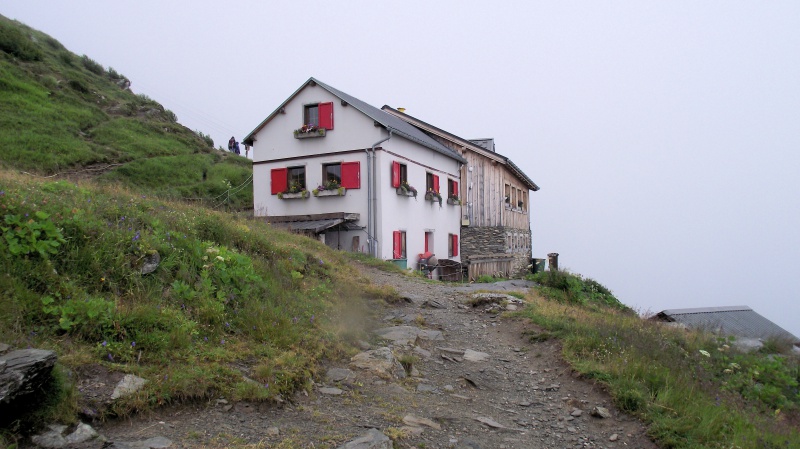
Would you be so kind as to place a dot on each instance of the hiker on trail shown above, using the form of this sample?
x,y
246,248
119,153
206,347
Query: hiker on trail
x,y
230,144
236,148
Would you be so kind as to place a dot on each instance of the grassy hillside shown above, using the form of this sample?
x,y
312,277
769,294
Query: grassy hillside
x,y
234,308
693,389
66,115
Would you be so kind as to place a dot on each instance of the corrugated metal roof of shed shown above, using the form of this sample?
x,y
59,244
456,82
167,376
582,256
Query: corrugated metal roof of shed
x,y
740,321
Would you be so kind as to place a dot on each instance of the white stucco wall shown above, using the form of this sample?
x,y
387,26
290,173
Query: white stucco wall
x,y
354,200
274,146
415,216
351,129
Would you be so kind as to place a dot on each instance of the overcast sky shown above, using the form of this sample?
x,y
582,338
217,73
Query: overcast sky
x,y
665,136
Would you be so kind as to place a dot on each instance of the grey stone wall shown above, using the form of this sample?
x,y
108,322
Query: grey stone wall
x,y
498,241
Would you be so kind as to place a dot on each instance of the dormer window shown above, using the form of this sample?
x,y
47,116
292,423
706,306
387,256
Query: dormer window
x,y
319,115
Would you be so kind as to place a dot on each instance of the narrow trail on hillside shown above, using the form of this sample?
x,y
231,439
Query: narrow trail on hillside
x,y
475,381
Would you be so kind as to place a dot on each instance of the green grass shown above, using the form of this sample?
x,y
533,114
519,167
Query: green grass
x,y
374,262
662,375
227,292
73,118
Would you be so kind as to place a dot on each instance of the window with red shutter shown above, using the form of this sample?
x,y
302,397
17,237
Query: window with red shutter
x,y
326,115
278,177
351,175
436,183
399,245
395,174
454,239
453,188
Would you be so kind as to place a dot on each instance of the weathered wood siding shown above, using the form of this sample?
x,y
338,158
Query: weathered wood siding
x,y
483,192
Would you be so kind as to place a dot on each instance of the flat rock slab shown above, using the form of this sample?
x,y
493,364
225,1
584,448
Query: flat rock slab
x,y
416,421
150,443
399,335
330,391
475,356
424,388
380,362
127,386
24,371
339,374
373,439
407,335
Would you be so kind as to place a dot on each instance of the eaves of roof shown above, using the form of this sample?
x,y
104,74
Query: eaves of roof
x,y
388,121
465,143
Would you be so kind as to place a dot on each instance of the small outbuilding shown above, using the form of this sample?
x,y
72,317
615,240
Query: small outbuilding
x,y
738,321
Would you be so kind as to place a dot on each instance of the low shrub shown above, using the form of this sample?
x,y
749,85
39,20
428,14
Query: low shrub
x,y
92,65
15,42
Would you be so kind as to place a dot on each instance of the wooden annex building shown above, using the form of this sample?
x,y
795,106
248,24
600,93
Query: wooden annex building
x,y
495,204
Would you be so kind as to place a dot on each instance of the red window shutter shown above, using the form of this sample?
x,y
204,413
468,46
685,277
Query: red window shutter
x,y
326,115
279,178
397,253
435,183
455,245
351,175
426,242
455,189
395,174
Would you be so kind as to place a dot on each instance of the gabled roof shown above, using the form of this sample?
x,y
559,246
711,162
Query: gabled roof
x,y
388,121
474,144
740,321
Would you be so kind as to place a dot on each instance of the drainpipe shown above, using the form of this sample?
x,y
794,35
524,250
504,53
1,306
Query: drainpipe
x,y
371,198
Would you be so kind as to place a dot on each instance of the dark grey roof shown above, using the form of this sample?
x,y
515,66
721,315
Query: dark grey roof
x,y
740,321
481,143
388,121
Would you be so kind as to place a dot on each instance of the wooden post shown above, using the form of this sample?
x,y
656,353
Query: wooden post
x,y
552,260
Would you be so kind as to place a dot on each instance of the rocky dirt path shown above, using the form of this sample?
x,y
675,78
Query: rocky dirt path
x,y
475,381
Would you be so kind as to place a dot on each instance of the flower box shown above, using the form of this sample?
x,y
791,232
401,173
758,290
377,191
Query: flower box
x,y
433,197
294,196
454,201
403,192
338,192
320,132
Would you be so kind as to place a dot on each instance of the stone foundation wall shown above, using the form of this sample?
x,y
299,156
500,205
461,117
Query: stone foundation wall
x,y
497,241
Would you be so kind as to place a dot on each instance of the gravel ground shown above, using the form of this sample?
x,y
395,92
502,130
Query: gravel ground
x,y
483,385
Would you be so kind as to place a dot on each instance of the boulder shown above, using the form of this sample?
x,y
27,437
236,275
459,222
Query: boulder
x,y
24,371
380,362
54,437
127,386
151,261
